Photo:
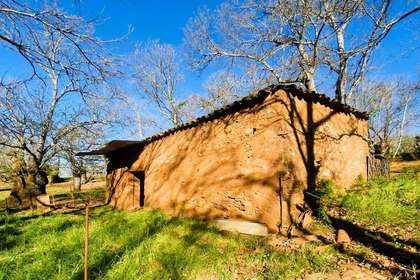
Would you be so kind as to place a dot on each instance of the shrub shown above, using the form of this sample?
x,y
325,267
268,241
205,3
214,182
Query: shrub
x,y
325,193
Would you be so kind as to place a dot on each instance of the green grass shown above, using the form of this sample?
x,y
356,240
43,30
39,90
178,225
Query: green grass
x,y
392,204
4,195
142,245
151,245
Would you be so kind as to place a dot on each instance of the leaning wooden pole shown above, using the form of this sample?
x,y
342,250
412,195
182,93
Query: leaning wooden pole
x,y
86,240
281,202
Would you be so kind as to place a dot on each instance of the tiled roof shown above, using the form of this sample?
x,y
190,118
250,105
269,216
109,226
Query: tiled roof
x,y
249,101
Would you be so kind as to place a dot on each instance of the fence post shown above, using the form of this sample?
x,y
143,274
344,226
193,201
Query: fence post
x,y
281,201
86,241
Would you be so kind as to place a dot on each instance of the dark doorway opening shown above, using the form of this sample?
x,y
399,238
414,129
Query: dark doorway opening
x,y
140,176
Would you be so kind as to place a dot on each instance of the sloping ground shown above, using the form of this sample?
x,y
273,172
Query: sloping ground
x,y
382,218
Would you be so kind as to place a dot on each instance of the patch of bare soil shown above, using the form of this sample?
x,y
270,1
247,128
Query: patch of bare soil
x,y
345,267
87,186
367,254
398,166
348,271
380,247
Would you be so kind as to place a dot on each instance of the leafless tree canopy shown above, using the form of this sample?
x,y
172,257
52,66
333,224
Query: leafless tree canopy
x,y
23,29
66,96
296,40
74,87
393,109
157,76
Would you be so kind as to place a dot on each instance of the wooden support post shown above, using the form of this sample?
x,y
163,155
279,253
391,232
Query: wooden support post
x,y
86,240
281,201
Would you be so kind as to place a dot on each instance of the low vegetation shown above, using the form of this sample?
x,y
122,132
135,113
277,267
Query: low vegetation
x,y
150,245
383,217
144,244
387,203
384,202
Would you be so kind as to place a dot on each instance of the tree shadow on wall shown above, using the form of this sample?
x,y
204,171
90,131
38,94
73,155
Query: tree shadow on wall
x,y
306,128
303,126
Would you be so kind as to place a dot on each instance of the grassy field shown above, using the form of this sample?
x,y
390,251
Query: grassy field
x,y
151,245
145,245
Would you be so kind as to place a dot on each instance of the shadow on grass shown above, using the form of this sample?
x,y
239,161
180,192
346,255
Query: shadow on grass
x,y
378,244
100,265
173,262
368,238
8,236
171,246
400,273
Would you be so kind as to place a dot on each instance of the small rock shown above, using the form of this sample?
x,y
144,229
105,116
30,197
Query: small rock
x,y
311,238
43,202
306,221
342,236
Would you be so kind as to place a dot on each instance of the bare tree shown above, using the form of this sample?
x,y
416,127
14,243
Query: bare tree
x,y
157,77
295,40
37,116
22,25
81,140
223,87
392,108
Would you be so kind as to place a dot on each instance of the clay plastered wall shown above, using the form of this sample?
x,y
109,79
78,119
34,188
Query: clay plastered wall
x,y
231,167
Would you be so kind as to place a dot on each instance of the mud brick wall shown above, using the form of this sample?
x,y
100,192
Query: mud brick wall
x,y
232,167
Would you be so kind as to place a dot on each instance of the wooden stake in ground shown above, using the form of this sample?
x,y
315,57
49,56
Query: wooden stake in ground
x,y
86,240
281,202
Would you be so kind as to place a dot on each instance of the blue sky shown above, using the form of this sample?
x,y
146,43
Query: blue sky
x,y
150,19
164,20
398,56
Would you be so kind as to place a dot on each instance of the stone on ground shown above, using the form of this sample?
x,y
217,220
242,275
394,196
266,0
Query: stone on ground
x,y
42,202
242,227
342,236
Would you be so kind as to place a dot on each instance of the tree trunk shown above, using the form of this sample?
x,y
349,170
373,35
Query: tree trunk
x,y
309,82
77,183
401,130
26,187
84,178
340,86
40,181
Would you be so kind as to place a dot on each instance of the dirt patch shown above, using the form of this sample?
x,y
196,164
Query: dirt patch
x,y
66,185
348,271
399,166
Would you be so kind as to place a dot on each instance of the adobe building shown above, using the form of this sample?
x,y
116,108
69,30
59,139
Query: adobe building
x,y
251,160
